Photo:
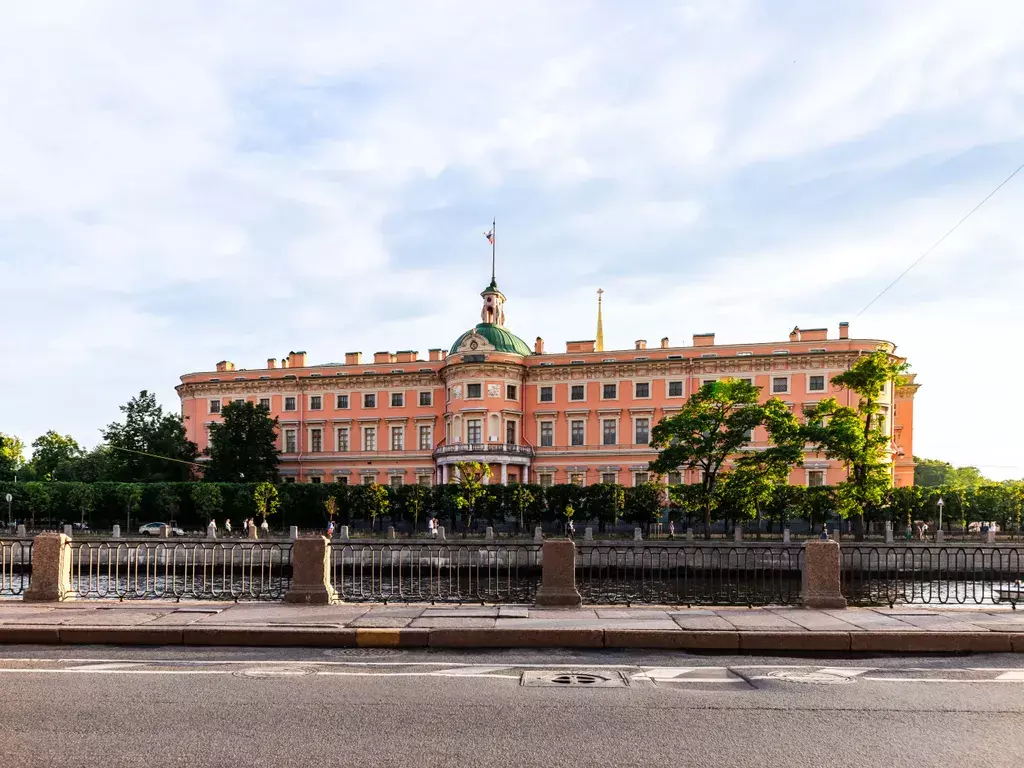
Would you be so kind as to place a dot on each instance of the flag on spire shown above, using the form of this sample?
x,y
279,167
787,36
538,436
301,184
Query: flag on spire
x,y
490,236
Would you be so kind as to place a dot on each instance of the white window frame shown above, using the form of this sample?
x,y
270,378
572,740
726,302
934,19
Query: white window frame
x,y
399,430
338,442
540,433
823,390
295,440
365,432
475,384
480,426
429,436
582,421
309,402
636,420
615,423
824,477
391,399
310,432
513,399
613,475
430,399
682,388
215,401
284,403
366,395
269,402
650,389
789,384
580,400
540,393
610,384
545,479
348,401
636,477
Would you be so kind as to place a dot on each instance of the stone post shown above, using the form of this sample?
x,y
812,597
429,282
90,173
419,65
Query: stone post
x,y
51,568
785,536
116,532
588,534
558,576
254,532
211,531
737,533
689,534
940,536
440,532
990,536
343,533
538,534
293,532
391,531
165,532
21,530
888,532
67,531
820,578
638,534
311,572
489,534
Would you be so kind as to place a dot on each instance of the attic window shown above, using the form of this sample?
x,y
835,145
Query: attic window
x,y
608,360
819,349
710,354
290,376
313,375
426,370
547,363
365,372
780,351
214,379
641,358
577,362
264,377
239,378
398,370
744,354
675,357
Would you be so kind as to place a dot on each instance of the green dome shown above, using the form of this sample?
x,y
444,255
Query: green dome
x,y
498,337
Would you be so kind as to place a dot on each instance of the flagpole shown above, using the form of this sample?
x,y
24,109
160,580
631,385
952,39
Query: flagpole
x,y
494,237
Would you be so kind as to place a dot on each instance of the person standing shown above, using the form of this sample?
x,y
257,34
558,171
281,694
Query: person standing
x,y
671,529
571,530
430,527
227,526
330,529
265,527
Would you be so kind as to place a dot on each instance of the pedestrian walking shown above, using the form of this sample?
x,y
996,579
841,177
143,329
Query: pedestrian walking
x,y
430,527
330,530
245,527
434,532
571,530
264,526
227,525
671,529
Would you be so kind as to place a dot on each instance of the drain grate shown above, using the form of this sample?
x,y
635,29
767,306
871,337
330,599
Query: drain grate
x,y
360,652
572,679
809,678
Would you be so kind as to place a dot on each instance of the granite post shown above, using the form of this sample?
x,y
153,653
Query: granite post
x,y
588,534
888,532
311,572
67,531
343,533
558,576
489,534
737,533
51,569
21,530
785,536
391,531
293,532
638,534
116,533
538,534
820,578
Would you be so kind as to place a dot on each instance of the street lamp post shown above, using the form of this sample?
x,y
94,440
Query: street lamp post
x,y
940,504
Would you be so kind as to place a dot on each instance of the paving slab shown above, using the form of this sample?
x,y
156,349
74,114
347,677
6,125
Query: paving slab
x,y
815,620
940,623
631,613
398,611
758,620
869,620
701,622
381,622
456,622
474,612
574,623
280,614
513,612
575,613
176,619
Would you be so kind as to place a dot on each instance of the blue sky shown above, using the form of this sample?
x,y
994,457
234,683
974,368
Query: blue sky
x,y
186,182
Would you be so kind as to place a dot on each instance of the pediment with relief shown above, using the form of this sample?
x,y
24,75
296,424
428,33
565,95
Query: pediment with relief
x,y
474,342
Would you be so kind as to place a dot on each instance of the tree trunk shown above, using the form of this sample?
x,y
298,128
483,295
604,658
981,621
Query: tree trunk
x,y
858,527
707,521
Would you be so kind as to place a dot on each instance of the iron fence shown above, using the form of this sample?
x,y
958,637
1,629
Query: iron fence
x,y
940,575
449,573
15,567
168,570
689,575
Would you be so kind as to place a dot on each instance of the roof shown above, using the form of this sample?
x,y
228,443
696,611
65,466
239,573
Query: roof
x,y
498,337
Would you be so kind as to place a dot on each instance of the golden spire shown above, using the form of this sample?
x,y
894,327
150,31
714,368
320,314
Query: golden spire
x,y
600,324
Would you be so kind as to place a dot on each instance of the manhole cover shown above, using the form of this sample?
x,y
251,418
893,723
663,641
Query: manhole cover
x,y
574,679
360,652
809,678
265,672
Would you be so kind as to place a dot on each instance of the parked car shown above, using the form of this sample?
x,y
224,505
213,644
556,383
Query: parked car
x,y
157,529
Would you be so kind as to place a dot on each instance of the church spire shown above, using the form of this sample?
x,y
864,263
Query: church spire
x,y
600,324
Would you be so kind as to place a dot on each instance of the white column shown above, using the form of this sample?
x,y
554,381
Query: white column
x,y
444,474
504,473
485,480
526,473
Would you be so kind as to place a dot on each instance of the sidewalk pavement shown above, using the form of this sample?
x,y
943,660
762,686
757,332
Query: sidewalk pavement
x,y
905,629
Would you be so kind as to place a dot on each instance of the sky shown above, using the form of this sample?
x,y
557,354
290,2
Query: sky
x,y
186,182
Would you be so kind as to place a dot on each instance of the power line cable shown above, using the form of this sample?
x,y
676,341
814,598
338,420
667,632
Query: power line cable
x,y
940,240
156,456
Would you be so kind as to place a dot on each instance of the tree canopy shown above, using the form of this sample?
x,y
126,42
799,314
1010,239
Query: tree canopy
x,y
53,454
150,446
243,446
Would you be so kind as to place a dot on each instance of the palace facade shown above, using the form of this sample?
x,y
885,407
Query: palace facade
x,y
581,415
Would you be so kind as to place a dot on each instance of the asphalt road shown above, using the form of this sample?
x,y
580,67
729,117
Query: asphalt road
x,y
103,706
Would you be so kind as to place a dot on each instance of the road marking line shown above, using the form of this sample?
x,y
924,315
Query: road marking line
x,y
845,671
1017,674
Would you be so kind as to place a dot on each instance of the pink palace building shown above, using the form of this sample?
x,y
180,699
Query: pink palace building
x,y
583,415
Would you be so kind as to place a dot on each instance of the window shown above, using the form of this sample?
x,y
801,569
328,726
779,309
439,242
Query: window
x,y
780,351
608,478
397,399
547,394
369,438
639,478
547,429
545,479
474,391
710,354
473,431
880,422
511,392
744,354
369,400
643,431
315,480
675,478
608,432
780,384
748,381
609,391
289,441
815,478
576,432
316,402
342,439
706,382
425,438
576,478
215,406
289,403
816,384
316,440
289,479
426,399
398,438
423,480
643,389
369,480
341,479
265,403
576,392
510,433
749,435
238,400
675,389
396,481
342,402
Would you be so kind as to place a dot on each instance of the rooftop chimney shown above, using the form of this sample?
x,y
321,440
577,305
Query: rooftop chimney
x,y
703,339
794,335
271,362
353,358
405,356
664,342
225,365
436,355
538,346
844,330
285,362
382,357
581,346
296,359
641,343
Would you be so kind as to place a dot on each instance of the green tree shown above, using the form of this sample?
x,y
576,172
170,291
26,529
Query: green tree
x,y
605,502
265,501
521,497
150,446
712,426
81,497
855,435
12,456
642,503
207,499
243,446
471,489
52,451
932,473
129,498
412,500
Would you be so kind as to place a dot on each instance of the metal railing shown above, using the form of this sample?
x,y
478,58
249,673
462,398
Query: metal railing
x,y
940,575
688,575
168,570
15,567
436,573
